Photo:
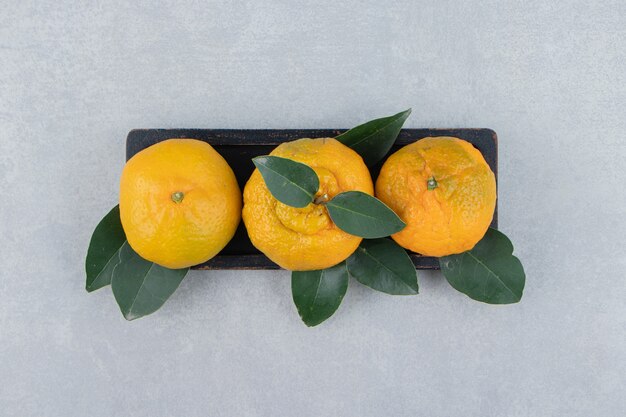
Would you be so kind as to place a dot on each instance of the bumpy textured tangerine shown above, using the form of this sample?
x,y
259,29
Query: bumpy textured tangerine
x,y
445,192
301,239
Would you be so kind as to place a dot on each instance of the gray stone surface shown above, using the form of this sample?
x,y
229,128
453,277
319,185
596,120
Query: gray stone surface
x,y
549,77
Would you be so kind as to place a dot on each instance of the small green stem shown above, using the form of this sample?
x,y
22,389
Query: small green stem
x,y
178,196
321,199
431,184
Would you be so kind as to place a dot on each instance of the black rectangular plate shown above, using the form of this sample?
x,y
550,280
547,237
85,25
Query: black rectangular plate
x,y
239,146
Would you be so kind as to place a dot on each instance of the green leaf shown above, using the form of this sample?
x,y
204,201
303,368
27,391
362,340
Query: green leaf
x,y
383,265
372,140
489,272
102,255
362,215
141,287
290,182
318,294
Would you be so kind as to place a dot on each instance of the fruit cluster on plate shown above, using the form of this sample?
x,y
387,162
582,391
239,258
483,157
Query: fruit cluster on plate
x,y
311,207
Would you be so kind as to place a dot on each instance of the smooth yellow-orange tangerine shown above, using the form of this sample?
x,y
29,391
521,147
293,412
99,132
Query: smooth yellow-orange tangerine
x,y
180,203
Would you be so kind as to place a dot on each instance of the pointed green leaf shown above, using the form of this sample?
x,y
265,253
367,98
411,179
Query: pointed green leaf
x,y
102,255
290,182
318,294
383,265
141,287
372,140
362,215
489,272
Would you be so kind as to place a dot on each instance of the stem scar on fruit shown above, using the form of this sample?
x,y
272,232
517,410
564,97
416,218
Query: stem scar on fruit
x,y
431,184
178,196
321,199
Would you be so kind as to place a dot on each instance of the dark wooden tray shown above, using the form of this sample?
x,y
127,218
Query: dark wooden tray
x,y
238,147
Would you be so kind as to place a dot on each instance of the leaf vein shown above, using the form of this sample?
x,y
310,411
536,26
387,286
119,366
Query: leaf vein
x,y
388,269
143,281
492,273
290,182
115,255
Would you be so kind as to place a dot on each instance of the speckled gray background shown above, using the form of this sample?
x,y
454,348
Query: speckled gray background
x,y
550,79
